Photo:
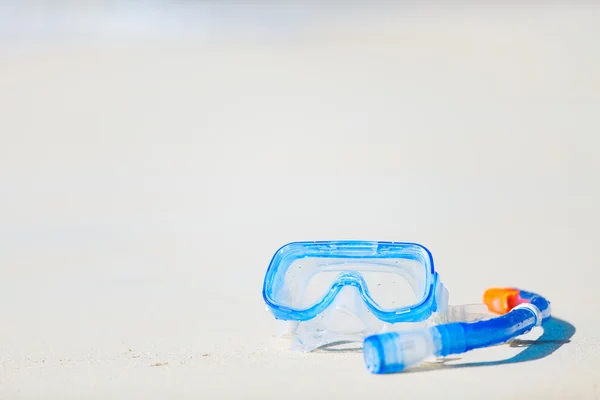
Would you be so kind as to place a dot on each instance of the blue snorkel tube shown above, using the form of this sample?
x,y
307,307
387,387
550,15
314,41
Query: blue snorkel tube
x,y
520,311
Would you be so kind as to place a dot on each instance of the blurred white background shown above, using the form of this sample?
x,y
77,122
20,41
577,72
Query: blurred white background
x,y
153,157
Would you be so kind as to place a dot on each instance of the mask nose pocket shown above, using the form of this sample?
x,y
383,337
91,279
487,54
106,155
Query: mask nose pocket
x,y
344,314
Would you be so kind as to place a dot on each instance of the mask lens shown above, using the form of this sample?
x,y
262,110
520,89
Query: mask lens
x,y
390,290
316,288
391,283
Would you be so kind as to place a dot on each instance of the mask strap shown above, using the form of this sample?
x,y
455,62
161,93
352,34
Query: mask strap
x,y
463,313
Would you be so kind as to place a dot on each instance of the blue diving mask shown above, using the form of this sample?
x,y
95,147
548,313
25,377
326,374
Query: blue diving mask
x,y
384,294
340,291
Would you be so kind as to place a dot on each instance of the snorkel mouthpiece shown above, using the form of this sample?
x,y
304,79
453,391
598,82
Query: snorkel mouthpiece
x,y
394,352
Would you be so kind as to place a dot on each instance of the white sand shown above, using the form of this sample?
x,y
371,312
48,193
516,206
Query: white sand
x,y
145,184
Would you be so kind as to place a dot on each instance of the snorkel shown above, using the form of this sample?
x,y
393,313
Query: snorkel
x,y
389,297
520,312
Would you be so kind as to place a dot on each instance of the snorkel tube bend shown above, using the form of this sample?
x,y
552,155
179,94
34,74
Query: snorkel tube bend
x,y
395,351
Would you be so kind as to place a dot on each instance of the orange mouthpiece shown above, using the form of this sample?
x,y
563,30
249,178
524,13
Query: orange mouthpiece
x,y
502,300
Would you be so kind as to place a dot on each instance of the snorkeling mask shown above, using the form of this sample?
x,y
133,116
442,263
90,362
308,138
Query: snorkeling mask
x,y
388,295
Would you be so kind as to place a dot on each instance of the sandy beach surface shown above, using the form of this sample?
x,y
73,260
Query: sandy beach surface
x,y
151,163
